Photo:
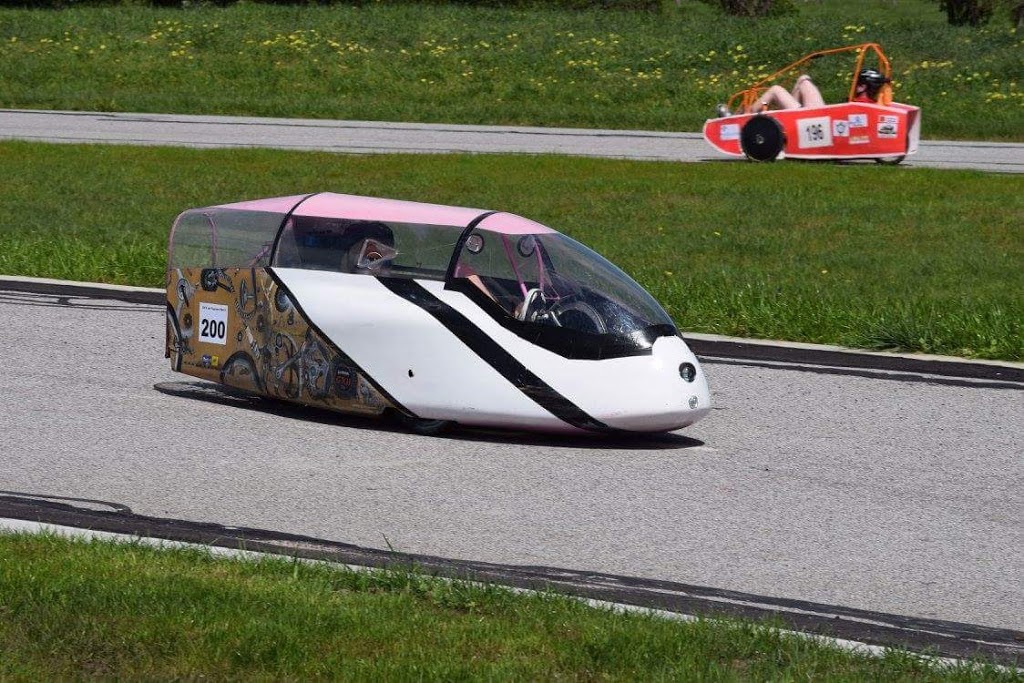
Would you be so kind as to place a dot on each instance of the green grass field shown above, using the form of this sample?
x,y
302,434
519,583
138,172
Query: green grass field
x,y
875,257
75,610
440,63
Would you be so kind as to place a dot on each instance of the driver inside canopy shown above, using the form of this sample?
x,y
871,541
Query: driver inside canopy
x,y
552,280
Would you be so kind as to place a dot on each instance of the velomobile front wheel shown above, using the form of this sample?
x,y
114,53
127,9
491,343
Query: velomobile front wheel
x,y
424,426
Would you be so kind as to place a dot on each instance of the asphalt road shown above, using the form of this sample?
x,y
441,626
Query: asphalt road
x,y
903,495
368,137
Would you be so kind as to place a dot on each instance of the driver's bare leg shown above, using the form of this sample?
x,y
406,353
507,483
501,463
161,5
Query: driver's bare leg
x,y
807,93
475,279
777,97
804,94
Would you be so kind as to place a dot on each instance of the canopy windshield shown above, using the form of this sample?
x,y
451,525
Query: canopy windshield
x,y
552,280
217,237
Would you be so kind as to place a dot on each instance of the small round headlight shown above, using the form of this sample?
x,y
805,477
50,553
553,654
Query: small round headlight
x,y
688,372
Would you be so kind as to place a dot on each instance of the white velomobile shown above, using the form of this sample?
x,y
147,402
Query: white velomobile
x,y
440,314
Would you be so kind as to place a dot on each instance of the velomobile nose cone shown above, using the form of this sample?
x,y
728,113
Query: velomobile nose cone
x,y
654,393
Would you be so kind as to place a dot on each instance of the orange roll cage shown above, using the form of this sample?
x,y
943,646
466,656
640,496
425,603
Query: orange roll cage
x,y
748,96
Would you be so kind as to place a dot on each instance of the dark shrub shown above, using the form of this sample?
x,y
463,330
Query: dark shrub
x,y
755,8
967,12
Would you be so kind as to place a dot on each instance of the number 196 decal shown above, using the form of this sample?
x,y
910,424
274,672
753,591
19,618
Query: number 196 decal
x,y
816,132
213,323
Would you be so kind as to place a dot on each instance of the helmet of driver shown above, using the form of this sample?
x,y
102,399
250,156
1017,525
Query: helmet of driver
x,y
872,80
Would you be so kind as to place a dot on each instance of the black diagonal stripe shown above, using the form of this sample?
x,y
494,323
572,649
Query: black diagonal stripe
x,y
280,228
494,355
334,347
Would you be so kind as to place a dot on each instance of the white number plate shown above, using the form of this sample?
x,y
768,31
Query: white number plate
x,y
213,323
816,132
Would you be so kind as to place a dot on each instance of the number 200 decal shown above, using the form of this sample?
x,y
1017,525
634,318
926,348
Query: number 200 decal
x,y
213,323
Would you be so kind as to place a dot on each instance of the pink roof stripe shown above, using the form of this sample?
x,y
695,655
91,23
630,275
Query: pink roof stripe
x,y
330,205
354,207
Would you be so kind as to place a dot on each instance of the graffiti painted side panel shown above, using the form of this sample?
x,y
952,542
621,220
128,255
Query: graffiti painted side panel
x,y
237,327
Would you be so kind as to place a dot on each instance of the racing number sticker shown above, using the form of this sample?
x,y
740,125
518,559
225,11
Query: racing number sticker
x,y
816,132
213,323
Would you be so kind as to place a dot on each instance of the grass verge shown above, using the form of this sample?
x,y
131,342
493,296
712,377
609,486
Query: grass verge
x,y
73,609
865,256
459,64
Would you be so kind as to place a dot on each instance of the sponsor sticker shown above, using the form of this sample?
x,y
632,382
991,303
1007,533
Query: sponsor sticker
x,y
345,382
858,120
840,128
816,132
730,131
888,130
859,140
213,323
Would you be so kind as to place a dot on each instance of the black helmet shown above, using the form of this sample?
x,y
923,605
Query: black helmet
x,y
872,80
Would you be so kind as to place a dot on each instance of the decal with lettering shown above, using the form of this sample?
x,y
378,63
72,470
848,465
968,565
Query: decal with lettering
x,y
858,120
